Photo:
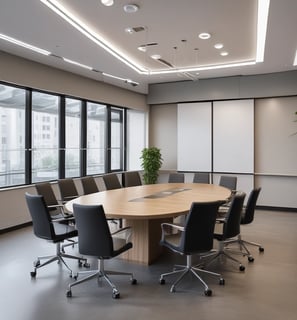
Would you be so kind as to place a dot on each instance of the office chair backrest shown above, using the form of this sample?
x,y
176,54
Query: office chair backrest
x,y
199,227
89,185
111,181
67,189
201,177
132,179
42,224
45,189
176,177
249,210
233,216
94,236
228,182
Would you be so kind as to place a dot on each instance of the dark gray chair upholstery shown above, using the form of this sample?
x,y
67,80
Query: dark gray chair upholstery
x,y
55,208
68,189
45,228
132,179
229,182
111,181
95,239
89,185
231,229
201,177
195,238
176,177
247,217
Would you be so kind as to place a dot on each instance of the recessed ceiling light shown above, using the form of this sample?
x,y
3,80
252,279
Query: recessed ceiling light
x,y
218,45
142,48
129,30
155,56
224,53
204,35
131,8
107,3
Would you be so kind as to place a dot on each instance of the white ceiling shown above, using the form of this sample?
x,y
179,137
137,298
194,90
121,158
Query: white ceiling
x,y
173,24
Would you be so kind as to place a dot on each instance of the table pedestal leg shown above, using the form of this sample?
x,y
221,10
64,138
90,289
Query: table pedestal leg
x,y
146,235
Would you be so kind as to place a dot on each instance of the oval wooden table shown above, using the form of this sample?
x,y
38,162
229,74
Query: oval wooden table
x,y
145,207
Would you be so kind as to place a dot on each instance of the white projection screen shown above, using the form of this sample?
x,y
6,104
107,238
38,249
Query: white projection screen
x,y
194,137
233,136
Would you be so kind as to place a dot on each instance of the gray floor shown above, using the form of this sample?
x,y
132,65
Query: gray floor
x,y
266,290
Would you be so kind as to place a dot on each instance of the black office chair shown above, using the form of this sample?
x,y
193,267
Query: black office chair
x,y
201,177
132,179
45,228
176,177
247,217
68,189
95,239
229,182
112,181
195,238
89,185
55,208
231,229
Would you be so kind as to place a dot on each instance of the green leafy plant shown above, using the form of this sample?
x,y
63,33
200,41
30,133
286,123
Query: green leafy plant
x,y
151,163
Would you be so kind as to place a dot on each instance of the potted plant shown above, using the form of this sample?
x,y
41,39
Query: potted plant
x,y
151,163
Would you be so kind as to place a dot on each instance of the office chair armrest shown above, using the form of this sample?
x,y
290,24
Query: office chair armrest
x,y
170,228
123,233
65,219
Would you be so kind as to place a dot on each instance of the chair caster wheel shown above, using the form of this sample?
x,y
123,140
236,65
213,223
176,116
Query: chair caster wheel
x,y
69,294
162,281
133,281
222,282
241,267
251,259
261,249
172,289
33,274
115,294
208,292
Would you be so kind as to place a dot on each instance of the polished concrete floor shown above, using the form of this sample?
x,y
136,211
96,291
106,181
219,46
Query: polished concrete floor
x,y
267,289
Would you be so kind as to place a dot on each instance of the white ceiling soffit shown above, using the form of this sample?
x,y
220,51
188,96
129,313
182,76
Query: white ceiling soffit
x,y
158,43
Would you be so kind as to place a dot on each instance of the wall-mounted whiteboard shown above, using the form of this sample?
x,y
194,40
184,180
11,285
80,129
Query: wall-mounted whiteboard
x,y
233,136
194,136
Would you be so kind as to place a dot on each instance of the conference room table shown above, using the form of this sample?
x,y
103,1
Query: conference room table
x,y
145,207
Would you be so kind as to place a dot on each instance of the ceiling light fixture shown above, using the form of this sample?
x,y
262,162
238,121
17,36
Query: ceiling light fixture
x,y
107,3
133,83
131,8
263,8
77,63
204,35
24,44
224,53
219,46
156,56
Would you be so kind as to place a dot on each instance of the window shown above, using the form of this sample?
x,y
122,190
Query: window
x,y
96,138
12,133
73,137
116,139
45,137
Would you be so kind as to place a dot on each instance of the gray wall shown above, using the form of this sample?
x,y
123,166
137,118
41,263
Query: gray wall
x,y
275,153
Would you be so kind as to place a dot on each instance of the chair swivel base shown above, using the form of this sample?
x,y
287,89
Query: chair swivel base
x,y
59,256
100,273
219,253
184,270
